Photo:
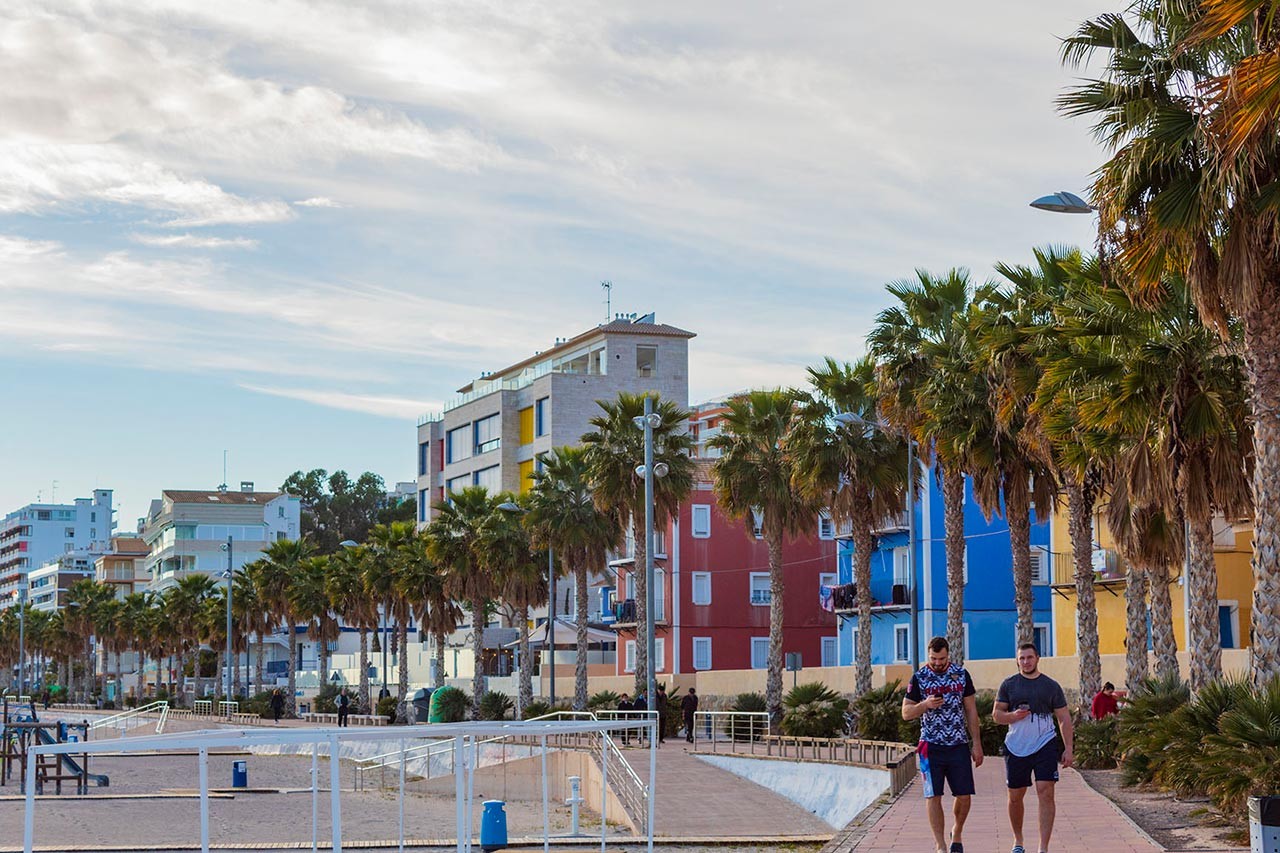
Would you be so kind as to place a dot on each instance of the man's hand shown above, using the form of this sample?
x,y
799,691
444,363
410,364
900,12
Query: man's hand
x,y
975,752
1020,714
1068,758
934,702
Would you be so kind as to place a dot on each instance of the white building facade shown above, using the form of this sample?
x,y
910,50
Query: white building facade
x,y
36,534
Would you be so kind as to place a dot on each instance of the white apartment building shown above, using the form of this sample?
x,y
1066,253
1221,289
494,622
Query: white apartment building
x,y
47,585
186,531
492,432
37,533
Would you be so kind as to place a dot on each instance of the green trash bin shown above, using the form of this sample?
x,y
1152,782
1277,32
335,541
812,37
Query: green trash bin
x,y
438,698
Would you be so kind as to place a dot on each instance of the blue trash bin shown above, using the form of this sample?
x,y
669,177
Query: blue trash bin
x,y
493,826
240,774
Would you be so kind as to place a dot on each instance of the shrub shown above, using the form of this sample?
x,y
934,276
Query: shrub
x,y
326,699
1143,728
992,732
259,704
605,700
387,708
494,705
537,708
1178,768
1097,745
879,713
749,702
1242,758
452,704
813,710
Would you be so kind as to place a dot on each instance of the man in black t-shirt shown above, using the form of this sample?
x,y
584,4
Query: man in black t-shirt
x,y
941,697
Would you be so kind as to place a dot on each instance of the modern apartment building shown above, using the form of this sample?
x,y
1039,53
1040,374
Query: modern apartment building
x,y
48,585
37,533
187,531
491,433
124,567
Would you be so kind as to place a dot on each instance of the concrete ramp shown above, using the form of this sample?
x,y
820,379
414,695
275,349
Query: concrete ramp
x,y
836,793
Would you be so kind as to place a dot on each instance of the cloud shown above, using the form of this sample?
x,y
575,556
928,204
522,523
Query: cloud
x,y
193,241
386,407
318,201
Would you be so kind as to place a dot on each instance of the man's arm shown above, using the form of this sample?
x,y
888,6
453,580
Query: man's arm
x,y
916,710
1068,735
1004,717
975,729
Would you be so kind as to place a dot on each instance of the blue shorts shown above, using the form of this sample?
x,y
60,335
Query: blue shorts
x,y
1043,762
939,764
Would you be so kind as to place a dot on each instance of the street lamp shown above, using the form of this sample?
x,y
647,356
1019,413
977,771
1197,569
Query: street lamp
x,y
229,575
20,596
649,421
1063,202
850,418
511,506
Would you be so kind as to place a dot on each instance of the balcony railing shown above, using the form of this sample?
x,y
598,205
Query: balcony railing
x,y
895,522
1108,571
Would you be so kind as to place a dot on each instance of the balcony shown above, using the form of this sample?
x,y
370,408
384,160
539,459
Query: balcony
x,y
892,524
845,603
625,614
1108,573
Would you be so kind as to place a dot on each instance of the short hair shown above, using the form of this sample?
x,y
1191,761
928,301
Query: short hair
x,y
1108,686
693,690
939,644
1031,646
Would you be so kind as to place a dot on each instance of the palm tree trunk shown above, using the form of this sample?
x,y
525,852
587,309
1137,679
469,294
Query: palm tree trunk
x,y
773,679
1080,529
291,700
440,639
526,664
1262,360
1135,643
70,681
1205,646
477,649
1163,641
402,702
365,708
260,665
638,567
580,665
953,523
182,680
863,544
1018,510
235,672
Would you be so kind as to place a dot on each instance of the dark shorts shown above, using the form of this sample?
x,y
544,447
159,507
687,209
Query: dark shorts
x,y
950,764
1043,762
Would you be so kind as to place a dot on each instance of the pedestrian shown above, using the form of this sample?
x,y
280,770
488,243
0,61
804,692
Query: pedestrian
x,y
661,708
942,697
277,705
1027,703
344,708
689,707
45,699
1106,702
626,706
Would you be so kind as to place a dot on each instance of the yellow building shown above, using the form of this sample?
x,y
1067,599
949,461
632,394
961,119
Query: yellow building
x,y
1233,549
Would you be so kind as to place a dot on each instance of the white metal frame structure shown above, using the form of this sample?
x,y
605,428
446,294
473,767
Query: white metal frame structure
x,y
464,736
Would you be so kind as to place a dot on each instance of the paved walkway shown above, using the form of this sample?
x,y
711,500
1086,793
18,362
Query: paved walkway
x,y
1087,822
696,799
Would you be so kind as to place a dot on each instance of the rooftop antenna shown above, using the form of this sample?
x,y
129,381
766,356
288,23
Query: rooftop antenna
x,y
53,499
607,286
224,470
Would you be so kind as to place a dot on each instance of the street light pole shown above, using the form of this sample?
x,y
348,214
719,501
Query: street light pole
x,y
20,594
651,691
551,625
230,660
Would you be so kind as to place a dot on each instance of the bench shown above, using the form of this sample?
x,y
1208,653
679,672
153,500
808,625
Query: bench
x,y
353,719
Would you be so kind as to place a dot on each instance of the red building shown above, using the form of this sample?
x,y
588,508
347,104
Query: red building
x,y
712,592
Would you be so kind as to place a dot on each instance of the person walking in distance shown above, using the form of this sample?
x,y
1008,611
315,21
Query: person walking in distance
x,y
1027,703
344,708
277,705
689,707
941,697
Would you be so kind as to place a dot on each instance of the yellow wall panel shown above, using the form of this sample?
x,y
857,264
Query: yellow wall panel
x,y
526,425
526,475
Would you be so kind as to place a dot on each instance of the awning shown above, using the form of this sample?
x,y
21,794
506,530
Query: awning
x,y
567,636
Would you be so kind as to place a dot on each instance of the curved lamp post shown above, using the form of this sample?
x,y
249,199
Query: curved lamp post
x,y
649,421
1063,202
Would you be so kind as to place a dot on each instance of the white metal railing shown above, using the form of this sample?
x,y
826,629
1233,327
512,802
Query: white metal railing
x,y
227,708
164,718
632,716
713,727
132,718
202,706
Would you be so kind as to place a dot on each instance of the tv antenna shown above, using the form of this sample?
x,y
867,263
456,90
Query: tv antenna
x,y
607,287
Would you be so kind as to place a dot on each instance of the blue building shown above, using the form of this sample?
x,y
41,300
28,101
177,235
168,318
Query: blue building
x,y
990,618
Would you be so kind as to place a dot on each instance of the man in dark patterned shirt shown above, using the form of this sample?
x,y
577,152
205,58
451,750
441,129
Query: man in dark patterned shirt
x,y
941,697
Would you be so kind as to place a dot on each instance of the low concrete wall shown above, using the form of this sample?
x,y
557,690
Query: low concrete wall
x,y
837,793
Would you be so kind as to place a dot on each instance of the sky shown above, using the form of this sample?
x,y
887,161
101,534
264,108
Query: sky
x,y
286,230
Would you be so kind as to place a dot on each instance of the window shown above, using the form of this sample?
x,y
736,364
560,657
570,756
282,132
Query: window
x,y
759,652
422,504
93,533
901,567
757,522
43,515
827,579
646,361
488,434
761,594
702,587
542,417
526,475
659,594
93,516
71,532
829,651
457,444
1039,565
457,484
1040,636
423,456
526,425
659,654
902,643
702,653
701,521
660,542
826,527
490,478
630,664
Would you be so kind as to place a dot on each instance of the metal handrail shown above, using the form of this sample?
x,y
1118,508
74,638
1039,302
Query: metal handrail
x,y
124,716
164,718
631,771
733,726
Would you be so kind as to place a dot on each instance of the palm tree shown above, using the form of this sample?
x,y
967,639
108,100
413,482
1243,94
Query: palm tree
x,y
615,446
344,585
455,541
753,479
564,515
252,621
185,605
310,605
424,584
391,545
856,469
83,599
280,564
1183,105
931,388
136,625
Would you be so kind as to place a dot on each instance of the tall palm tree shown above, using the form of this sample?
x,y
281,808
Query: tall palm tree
x,y
309,602
615,446
424,583
83,600
185,605
252,617
391,546
348,598
563,513
1184,106
931,388
455,538
136,625
857,470
753,480
280,565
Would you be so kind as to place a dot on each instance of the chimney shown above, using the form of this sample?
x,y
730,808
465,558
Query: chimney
x,y
246,486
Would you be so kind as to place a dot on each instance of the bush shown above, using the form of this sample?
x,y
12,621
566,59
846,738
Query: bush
x,y
879,713
813,710
259,704
992,732
326,699
1188,728
453,705
1143,728
387,708
1242,758
537,708
494,705
605,700
749,702
1097,744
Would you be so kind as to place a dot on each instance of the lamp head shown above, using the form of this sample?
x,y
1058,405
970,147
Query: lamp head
x,y
1063,202
511,506
661,469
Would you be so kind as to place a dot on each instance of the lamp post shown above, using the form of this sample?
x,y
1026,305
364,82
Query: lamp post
x,y
230,575
510,506
648,422
880,426
19,595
